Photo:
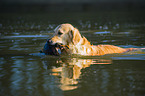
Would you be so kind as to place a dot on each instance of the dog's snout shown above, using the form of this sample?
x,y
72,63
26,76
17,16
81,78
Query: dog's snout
x,y
49,41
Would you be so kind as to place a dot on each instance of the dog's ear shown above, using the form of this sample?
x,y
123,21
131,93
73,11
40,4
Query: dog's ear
x,y
75,36
85,41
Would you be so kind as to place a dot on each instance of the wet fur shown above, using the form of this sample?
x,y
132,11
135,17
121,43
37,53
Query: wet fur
x,y
80,45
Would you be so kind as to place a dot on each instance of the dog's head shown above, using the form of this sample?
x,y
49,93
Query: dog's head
x,y
66,34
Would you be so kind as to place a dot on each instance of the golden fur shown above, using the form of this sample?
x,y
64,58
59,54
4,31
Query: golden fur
x,y
67,35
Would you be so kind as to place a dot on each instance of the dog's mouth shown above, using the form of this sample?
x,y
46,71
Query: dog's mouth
x,y
51,48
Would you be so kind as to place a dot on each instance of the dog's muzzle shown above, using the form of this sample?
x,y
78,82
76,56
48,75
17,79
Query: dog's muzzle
x,y
51,48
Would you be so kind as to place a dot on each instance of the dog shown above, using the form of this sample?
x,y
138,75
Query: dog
x,y
74,43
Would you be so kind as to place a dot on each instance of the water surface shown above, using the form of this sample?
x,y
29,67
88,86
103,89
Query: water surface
x,y
26,72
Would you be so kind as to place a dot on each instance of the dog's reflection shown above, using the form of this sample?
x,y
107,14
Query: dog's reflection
x,y
69,70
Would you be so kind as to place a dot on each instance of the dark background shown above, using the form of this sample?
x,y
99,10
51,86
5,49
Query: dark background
x,y
70,5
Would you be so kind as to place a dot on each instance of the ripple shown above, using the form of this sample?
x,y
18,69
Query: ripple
x,y
130,57
25,36
103,32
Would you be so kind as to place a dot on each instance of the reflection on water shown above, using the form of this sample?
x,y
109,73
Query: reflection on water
x,y
70,71
25,72
24,75
50,76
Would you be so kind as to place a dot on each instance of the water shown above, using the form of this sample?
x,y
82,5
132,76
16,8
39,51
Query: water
x,y
26,72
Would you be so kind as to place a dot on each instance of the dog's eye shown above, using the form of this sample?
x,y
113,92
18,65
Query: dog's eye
x,y
59,33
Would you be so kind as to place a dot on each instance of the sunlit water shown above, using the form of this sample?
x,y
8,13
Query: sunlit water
x,y
26,72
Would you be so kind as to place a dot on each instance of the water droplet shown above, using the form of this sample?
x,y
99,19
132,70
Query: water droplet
x,y
1,25
95,72
100,27
12,40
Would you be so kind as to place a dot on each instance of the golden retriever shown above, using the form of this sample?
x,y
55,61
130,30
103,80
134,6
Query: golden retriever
x,y
69,36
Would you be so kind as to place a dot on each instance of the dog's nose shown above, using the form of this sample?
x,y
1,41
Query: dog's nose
x,y
49,41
